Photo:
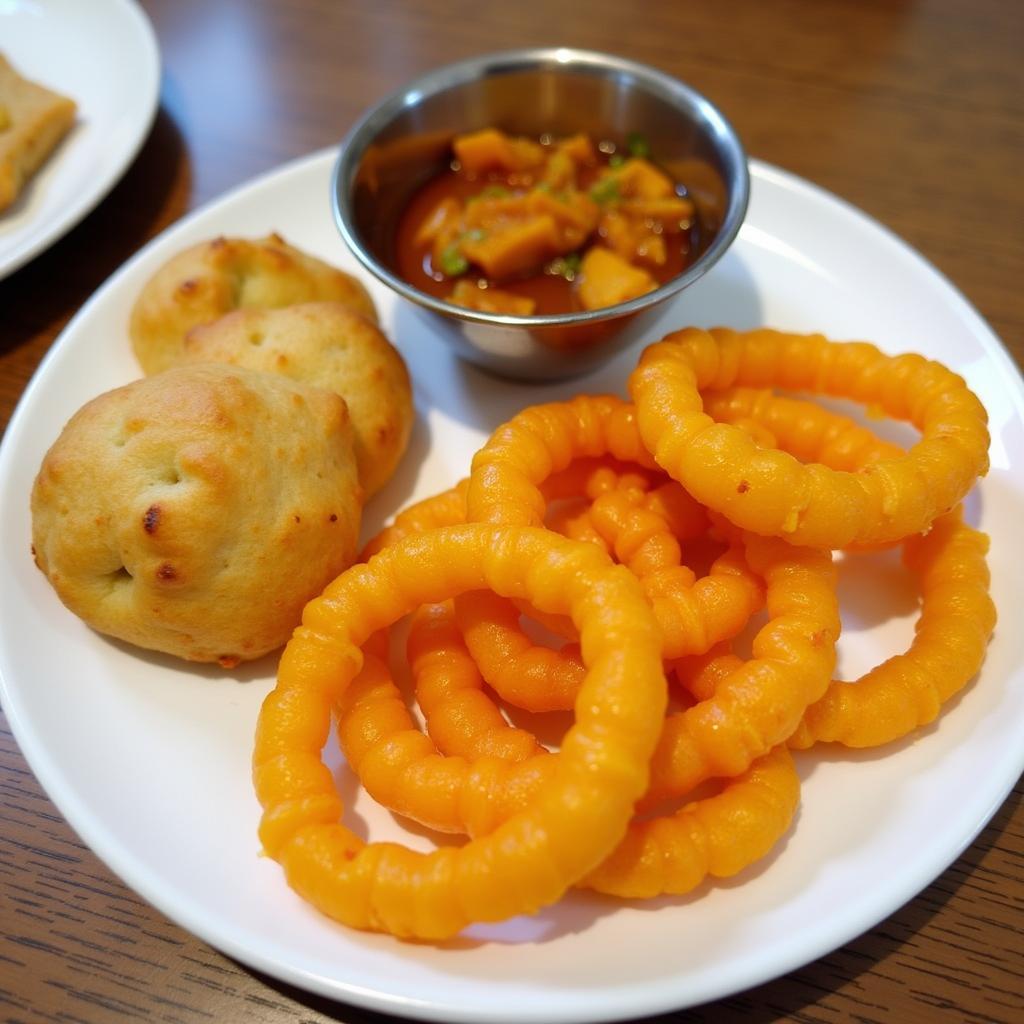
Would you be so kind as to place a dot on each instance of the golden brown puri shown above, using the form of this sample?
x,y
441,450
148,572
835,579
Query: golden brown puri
x,y
208,280
33,119
195,512
326,344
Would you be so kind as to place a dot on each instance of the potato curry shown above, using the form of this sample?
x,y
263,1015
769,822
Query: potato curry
x,y
534,227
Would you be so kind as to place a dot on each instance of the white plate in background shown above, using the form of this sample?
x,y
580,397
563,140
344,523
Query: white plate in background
x,y
148,758
103,55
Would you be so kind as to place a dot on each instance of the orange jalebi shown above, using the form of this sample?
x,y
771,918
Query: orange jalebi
x,y
460,718
795,481
772,493
718,835
507,473
807,431
572,822
506,485
693,615
400,767
758,705
952,631
957,614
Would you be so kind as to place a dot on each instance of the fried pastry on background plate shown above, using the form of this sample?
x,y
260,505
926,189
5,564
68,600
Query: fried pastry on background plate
x,y
33,119
195,512
208,280
329,345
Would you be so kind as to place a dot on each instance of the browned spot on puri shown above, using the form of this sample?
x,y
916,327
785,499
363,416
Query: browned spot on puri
x,y
188,286
167,573
151,520
297,519
333,517
742,487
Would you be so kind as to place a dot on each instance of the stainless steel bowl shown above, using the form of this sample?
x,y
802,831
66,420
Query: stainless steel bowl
x,y
406,139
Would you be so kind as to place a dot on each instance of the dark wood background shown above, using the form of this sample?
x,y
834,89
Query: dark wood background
x,y
913,111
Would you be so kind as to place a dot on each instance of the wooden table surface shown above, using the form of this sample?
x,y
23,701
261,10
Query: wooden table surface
x,y
913,111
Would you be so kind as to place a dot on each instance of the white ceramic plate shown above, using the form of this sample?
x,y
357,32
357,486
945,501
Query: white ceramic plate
x,y
103,54
149,759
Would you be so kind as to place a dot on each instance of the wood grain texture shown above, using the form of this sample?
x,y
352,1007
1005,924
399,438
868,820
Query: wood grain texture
x,y
913,111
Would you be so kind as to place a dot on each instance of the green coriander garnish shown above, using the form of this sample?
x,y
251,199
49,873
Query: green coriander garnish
x,y
637,146
605,191
453,263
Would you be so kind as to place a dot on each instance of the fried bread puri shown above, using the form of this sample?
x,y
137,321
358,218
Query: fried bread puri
x,y
329,345
33,119
197,511
211,279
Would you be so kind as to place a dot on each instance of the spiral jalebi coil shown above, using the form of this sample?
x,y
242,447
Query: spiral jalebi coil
x,y
597,547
